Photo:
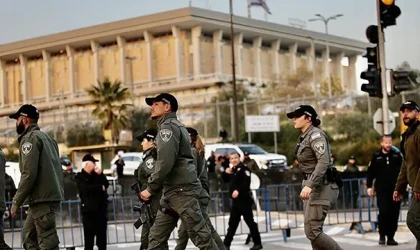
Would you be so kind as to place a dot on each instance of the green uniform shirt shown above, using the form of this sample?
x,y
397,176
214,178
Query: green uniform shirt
x,y
2,181
314,155
175,164
41,172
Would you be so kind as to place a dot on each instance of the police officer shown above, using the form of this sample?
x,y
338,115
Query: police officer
x,y
92,185
41,183
176,174
197,148
314,155
239,179
410,167
143,172
384,167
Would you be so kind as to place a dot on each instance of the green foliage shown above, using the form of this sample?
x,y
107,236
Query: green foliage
x,y
413,73
85,134
109,98
12,156
335,86
140,122
293,85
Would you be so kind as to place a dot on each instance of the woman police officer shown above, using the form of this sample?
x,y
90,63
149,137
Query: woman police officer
x,y
143,173
318,193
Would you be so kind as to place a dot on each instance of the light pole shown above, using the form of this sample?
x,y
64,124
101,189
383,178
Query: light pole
x,y
130,59
234,97
320,17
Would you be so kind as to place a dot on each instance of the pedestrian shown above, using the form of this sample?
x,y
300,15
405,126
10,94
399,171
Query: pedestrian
x,y
239,178
197,148
143,173
3,244
384,168
319,193
176,174
250,163
41,181
410,167
92,185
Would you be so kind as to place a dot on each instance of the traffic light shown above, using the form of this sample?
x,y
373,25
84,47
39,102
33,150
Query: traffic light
x,y
400,81
389,13
372,75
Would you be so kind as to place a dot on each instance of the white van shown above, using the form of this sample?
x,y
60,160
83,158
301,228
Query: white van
x,y
264,159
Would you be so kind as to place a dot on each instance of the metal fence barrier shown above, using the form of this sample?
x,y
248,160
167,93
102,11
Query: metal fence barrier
x,y
278,207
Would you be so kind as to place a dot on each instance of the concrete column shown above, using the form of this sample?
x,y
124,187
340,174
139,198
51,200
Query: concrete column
x,y
72,71
275,47
256,43
121,49
310,57
46,57
238,53
3,83
326,64
24,77
95,47
339,72
196,36
217,50
352,77
148,38
292,56
176,32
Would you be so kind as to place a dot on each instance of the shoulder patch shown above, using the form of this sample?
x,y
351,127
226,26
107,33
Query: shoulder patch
x,y
149,163
316,135
26,148
247,173
320,147
165,134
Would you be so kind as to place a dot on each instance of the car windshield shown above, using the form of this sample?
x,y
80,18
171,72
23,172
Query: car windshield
x,y
253,150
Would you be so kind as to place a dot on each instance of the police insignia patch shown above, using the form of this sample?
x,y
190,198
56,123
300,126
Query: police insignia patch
x,y
320,147
247,173
165,134
149,163
26,148
316,136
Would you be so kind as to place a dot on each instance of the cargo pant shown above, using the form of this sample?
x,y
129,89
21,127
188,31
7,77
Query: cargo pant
x,y
185,205
39,230
182,241
413,219
315,212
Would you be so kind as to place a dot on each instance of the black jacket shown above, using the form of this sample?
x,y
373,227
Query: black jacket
x,y
239,180
93,198
385,169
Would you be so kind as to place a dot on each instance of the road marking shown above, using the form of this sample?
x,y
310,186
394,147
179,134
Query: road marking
x,y
357,242
293,245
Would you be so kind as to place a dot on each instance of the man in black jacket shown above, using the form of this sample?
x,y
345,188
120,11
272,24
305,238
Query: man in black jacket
x,y
384,168
92,185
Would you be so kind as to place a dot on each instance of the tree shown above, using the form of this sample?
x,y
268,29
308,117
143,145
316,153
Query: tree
x,y
140,122
413,73
109,98
294,85
85,134
336,88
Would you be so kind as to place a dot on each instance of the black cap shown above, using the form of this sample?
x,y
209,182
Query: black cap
x,y
27,110
246,153
303,110
352,157
411,105
166,98
149,134
89,157
192,131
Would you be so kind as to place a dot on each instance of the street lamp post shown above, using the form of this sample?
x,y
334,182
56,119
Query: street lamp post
x,y
234,97
320,17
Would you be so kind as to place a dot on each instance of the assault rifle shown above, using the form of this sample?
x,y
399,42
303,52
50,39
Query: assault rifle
x,y
146,215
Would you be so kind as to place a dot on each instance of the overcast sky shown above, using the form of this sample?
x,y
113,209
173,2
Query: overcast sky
x,y
22,19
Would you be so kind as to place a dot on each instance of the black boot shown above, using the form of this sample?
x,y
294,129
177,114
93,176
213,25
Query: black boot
x,y
256,247
248,239
391,242
381,240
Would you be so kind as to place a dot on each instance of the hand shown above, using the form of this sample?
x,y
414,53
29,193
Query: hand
x,y
97,170
370,192
229,171
235,194
13,211
305,193
145,195
416,195
396,196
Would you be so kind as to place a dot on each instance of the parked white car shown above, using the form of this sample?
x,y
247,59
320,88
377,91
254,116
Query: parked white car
x,y
132,161
264,159
12,169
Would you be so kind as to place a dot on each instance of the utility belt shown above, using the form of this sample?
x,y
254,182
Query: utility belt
x,y
331,176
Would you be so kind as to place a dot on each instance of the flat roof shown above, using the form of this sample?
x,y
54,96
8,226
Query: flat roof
x,y
184,18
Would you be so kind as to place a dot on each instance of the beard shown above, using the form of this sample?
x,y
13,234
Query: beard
x,y
409,121
20,128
